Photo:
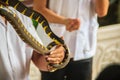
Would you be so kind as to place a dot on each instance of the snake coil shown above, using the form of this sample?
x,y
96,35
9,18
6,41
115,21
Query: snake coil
x,y
26,36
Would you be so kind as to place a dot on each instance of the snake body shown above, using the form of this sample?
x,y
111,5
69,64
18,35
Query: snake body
x,y
26,36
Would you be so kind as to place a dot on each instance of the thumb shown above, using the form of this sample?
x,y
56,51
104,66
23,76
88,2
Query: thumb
x,y
62,37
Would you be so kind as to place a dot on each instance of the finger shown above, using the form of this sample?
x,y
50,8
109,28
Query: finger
x,y
62,37
59,49
58,55
55,57
68,28
74,28
54,60
69,25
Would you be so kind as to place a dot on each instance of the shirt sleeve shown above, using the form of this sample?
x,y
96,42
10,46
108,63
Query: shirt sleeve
x,y
27,22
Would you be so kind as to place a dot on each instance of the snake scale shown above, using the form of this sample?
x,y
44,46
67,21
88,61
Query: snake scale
x,y
26,36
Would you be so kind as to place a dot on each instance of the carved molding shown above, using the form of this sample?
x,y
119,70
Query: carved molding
x,y
108,48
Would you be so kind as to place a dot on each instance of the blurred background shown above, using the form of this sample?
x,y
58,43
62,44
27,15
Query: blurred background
x,y
113,16
108,46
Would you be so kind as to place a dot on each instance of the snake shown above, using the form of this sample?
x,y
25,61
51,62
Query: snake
x,y
26,36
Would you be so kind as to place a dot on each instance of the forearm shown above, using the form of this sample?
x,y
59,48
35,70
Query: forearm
x,y
47,13
101,7
70,23
53,17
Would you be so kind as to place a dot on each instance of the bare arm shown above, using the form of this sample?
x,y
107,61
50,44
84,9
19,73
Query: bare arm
x,y
40,6
101,7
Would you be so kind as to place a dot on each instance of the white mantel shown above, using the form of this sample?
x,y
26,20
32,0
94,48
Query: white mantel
x,y
108,48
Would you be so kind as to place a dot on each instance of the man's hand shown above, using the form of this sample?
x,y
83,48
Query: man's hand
x,y
56,56
72,24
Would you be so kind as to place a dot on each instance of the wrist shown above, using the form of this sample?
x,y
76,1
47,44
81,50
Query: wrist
x,y
66,21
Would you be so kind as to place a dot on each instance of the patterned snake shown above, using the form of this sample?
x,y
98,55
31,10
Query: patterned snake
x,y
26,36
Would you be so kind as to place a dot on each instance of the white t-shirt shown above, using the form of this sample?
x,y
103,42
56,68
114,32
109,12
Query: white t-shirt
x,y
82,43
15,55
